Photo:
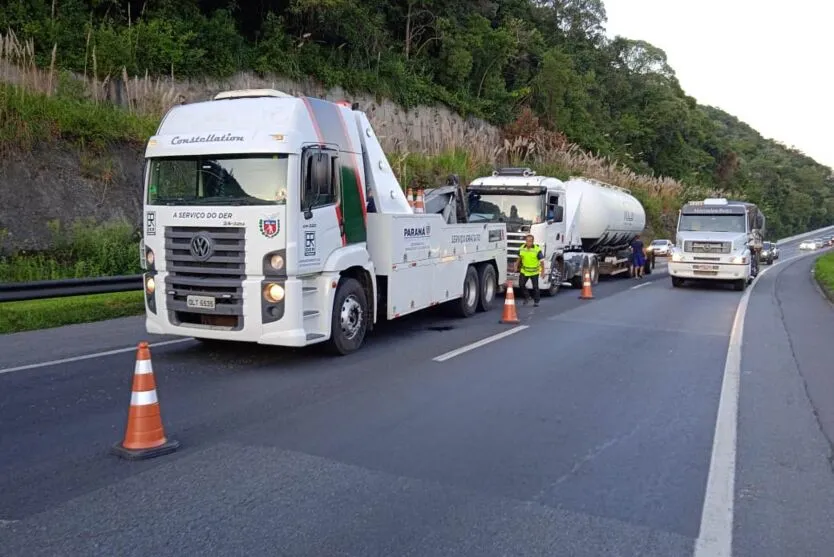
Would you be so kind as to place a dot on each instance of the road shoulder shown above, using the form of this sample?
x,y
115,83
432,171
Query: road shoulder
x,y
784,483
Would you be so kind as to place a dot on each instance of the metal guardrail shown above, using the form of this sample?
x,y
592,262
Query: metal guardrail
x,y
804,235
17,291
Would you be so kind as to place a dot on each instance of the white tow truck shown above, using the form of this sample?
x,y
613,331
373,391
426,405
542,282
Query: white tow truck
x,y
258,227
573,221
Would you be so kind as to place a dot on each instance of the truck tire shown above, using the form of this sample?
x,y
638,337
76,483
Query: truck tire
x,y
349,321
488,286
557,273
468,302
677,282
740,285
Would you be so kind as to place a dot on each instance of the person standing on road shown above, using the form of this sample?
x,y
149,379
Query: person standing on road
x,y
529,266
638,259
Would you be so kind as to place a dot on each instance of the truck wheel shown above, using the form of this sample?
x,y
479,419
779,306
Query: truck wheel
x,y
468,302
677,282
349,322
740,285
488,284
557,272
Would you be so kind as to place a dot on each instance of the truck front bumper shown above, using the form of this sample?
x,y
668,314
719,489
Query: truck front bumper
x,y
286,331
709,271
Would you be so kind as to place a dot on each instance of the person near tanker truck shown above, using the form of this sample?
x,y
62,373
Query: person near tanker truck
x,y
529,266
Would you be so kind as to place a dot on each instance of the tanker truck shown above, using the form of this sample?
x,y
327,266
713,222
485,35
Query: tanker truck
x,y
569,220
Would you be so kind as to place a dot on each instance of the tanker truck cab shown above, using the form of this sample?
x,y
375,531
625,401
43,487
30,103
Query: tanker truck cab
x,y
256,228
717,240
526,204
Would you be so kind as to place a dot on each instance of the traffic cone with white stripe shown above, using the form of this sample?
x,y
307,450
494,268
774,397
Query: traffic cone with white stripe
x,y
419,205
145,436
587,293
510,315
409,195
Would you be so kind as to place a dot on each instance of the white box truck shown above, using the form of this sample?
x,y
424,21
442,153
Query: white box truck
x,y
717,239
571,221
258,228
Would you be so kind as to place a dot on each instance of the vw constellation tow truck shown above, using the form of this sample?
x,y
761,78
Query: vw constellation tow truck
x,y
718,239
258,228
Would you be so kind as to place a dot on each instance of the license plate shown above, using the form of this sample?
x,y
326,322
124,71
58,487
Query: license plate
x,y
705,267
200,302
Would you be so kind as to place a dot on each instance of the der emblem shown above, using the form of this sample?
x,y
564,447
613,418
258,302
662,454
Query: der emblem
x,y
269,226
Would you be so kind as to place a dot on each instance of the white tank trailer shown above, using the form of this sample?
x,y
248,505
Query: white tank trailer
x,y
570,220
601,221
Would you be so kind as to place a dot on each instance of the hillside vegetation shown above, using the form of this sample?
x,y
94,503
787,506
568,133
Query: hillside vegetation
x,y
569,99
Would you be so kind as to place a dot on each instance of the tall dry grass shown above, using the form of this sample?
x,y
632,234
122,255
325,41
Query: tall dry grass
x,y
423,132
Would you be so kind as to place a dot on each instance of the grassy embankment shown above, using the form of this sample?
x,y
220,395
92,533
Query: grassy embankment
x,y
824,274
46,107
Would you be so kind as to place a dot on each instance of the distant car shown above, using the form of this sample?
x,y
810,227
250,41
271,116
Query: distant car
x,y
770,253
661,248
808,244
819,243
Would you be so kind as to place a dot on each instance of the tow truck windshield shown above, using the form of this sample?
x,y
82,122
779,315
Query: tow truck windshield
x,y
214,180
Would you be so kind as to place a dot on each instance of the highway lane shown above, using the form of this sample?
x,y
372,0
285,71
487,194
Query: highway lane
x,y
58,421
785,484
589,432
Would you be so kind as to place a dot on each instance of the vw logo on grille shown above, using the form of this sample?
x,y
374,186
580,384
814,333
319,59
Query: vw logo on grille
x,y
202,247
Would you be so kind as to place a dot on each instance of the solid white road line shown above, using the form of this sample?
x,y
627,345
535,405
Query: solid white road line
x,y
478,344
640,286
90,356
715,538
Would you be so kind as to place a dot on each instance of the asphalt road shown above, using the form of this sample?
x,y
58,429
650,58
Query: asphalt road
x,y
589,432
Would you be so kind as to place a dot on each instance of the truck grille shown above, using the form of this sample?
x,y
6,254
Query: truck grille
x,y
706,247
220,276
514,242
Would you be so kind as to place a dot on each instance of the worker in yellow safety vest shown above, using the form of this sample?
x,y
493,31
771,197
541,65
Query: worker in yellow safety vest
x,y
529,266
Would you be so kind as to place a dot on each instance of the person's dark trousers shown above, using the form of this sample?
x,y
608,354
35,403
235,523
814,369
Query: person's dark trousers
x,y
522,285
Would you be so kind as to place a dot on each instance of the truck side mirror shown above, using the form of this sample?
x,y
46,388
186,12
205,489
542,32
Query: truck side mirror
x,y
558,213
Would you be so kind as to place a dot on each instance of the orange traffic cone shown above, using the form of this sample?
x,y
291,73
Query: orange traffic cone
x,y
510,315
145,436
586,286
409,195
419,205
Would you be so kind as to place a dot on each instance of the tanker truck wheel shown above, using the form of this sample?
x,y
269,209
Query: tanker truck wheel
x,y
557,272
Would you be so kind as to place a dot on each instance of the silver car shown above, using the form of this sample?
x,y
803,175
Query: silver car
x,y
661,248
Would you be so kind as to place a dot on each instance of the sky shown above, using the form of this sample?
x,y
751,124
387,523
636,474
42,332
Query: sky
x,y
766,62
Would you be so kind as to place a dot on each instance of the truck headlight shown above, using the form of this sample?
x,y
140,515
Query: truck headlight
x,y
740,260
150,257
273,293
276,262
150,285
677,256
